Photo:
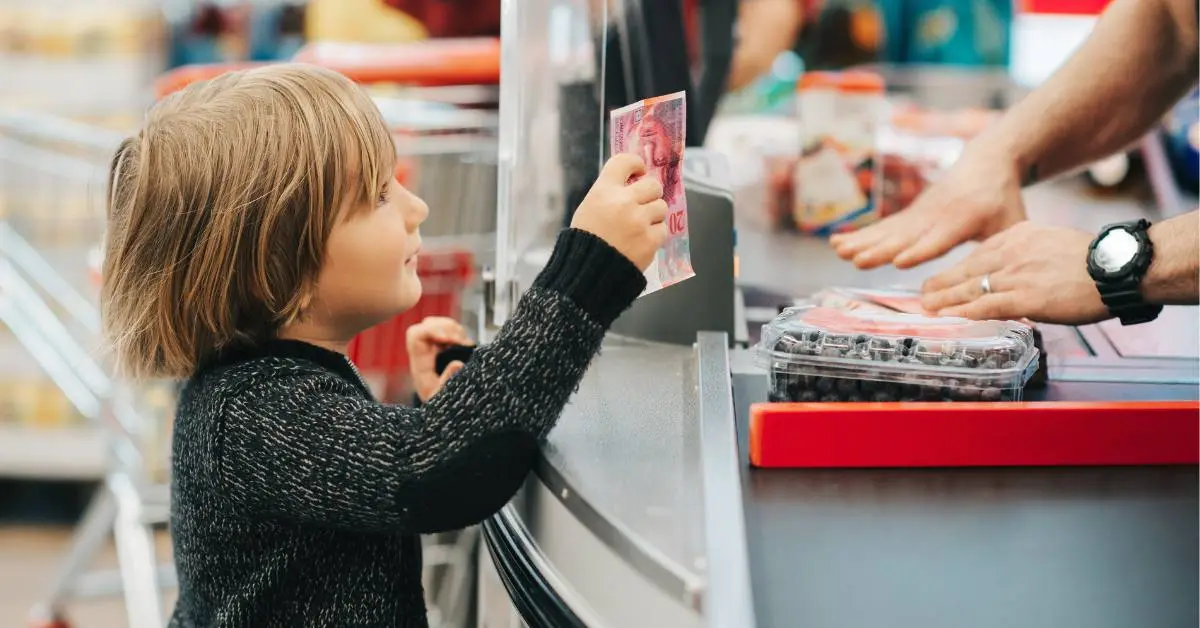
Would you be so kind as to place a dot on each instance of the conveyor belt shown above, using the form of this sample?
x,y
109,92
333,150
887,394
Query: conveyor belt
x,y
1053,548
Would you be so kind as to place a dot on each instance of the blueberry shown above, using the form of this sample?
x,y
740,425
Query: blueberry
x,y
862,339
825,385
813,336
788,345
846,386
968,394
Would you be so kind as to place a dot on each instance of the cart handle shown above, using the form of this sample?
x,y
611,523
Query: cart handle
x,y
430,63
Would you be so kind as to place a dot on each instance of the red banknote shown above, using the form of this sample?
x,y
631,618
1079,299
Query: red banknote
x,y
655,130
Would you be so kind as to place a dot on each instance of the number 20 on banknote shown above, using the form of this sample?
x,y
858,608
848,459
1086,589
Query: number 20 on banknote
x,y
654,129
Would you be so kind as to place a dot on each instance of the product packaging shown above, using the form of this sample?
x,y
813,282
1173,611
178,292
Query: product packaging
x,y
816,353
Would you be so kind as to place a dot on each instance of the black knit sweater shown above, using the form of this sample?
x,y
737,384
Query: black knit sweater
x,y
297,498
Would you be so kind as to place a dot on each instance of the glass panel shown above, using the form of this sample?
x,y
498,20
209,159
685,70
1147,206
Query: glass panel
x,y
550,129
564,65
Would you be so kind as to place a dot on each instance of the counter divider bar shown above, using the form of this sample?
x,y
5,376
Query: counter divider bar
x,y
663,572
532,585
729,600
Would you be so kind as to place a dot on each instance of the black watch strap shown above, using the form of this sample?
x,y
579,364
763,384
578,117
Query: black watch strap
x,y
1124,301
1122,295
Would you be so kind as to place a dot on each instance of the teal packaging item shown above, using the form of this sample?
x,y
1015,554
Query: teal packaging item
x,y
947,32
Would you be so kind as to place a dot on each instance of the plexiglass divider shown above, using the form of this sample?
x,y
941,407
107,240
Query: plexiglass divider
x,y
563,65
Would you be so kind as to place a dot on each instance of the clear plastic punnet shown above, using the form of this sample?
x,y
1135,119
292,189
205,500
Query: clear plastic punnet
x,y
818,353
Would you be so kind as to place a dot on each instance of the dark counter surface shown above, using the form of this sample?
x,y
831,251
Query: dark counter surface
x,y
1053,548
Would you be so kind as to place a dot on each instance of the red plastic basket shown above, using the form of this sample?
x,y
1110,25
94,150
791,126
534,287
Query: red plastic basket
x,y
380,352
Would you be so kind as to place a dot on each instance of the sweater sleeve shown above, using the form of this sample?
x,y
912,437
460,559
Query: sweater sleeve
x,y
304,445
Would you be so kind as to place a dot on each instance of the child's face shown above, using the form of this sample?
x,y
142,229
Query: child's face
x,y
370,269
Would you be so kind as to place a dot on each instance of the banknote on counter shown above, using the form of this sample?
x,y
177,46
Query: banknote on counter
x,y
655,130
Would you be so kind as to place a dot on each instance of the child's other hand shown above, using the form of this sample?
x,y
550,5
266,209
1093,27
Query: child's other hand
x,y
424,341
628,216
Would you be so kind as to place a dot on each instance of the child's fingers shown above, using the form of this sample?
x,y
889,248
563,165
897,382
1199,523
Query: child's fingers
x,y
452,369
438,331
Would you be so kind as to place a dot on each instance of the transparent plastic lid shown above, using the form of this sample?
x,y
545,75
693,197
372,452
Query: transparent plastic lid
x,y
891,346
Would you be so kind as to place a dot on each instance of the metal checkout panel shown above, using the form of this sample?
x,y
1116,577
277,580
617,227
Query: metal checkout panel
x,y
644,510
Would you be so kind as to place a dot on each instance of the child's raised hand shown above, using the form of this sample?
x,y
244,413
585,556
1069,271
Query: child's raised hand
x,y
424,341
629,216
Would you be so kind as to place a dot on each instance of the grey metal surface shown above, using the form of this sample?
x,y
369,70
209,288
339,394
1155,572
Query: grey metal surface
x,y
595,578
1053,548
622,460
729,602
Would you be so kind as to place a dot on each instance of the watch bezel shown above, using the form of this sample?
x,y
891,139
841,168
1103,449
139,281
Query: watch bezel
x,y
1135,266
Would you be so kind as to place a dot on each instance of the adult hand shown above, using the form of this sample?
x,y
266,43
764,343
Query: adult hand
x,y
978,198
424,341
1033,272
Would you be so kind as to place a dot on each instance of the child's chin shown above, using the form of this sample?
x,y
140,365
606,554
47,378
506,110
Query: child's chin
x,y
410,294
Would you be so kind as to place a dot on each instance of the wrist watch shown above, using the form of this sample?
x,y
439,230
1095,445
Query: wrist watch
x,y
1117,261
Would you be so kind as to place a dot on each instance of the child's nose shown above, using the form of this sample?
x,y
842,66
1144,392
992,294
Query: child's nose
x,y
418,211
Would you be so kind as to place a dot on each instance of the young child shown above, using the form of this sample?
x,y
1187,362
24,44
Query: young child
x,y
255,227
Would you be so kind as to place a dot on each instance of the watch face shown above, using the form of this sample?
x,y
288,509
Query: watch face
x,y
1115,250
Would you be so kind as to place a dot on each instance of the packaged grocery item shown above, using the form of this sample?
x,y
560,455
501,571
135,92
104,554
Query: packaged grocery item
x,y
835,183
816,353
875,299
908,301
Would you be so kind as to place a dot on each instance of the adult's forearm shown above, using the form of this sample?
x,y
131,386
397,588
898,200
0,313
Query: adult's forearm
x,y
1140,59
766,28
1173,275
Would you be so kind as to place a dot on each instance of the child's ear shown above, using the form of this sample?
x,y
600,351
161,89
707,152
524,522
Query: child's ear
x,y
298,308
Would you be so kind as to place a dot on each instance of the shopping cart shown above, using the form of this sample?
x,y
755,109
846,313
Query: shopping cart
x,y
52,173
53,205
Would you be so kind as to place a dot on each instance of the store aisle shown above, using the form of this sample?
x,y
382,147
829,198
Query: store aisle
x,y
28,557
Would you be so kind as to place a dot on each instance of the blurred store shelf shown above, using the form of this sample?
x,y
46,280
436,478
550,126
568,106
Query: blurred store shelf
x,y
59,453
42,436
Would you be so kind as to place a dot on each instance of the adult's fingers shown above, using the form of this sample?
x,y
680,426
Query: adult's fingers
x,y
979,263
935,243
655,211
647,189
848,245
884,251
997,305
622,166
958,294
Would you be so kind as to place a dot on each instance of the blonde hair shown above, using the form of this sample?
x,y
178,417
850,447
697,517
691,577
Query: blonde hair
x,y
220,208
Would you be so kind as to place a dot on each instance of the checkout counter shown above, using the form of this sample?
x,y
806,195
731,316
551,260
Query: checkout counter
x,y
643,509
